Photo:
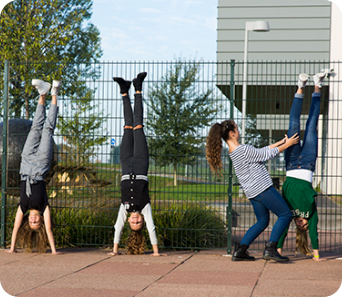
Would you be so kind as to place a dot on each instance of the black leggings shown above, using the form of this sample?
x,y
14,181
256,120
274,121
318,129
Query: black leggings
x,y
134,152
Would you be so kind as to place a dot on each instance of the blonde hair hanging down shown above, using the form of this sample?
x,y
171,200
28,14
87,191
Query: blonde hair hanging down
x,y
136,243
30,239
302,242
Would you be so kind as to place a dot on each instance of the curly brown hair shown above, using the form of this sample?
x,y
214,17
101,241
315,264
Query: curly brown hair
x,y
214,144
29,238
136,243
302,242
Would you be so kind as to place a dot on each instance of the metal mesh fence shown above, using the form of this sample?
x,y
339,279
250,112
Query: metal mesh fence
x,y
202,210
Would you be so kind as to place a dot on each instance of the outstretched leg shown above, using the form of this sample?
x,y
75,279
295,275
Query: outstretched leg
x,y
127,143
293,153
35,134
310,143
45,150
141,157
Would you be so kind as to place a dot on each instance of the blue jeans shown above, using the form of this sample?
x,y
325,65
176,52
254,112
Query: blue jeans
x,y
303,156
269,200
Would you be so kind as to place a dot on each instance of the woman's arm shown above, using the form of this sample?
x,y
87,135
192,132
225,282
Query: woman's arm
x,y
17,223
48,228
285,143
278,143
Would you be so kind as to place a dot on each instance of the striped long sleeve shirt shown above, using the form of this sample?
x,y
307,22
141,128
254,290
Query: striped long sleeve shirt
x,y
250,170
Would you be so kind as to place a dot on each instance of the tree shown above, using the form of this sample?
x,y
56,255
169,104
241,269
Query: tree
x,y
52,39
253,137
176,113
80,146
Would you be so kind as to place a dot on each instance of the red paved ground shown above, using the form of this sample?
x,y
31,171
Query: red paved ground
x,y
90,272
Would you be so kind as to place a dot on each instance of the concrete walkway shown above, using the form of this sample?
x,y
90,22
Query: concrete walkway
x,y
90,272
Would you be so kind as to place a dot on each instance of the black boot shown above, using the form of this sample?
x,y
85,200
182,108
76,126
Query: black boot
x,y
124,84
241,254
137,82
271,253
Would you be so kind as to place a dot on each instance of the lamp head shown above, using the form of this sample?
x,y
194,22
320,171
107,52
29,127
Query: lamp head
x,y
261,26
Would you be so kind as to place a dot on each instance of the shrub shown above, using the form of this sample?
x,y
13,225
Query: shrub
x,y
178,226
189,226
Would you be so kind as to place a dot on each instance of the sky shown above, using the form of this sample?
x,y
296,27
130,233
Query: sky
x,y
156,30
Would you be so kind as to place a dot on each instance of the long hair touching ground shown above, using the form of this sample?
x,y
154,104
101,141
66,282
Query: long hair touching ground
x,y
29,238
302,242
136,243
214,144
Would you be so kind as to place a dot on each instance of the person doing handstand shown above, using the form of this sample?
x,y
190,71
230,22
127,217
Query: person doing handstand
x,y
134,158
35,164
300,164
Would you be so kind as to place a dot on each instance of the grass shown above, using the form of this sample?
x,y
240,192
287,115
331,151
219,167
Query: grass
x,y
337,199
161,188
190,192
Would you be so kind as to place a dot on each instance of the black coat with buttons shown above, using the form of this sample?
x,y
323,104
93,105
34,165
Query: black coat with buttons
x,y
134,194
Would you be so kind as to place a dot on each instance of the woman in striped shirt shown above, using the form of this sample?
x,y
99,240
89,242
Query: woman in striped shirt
x,y
256,182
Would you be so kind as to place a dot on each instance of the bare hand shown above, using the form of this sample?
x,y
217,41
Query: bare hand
x,y
113,254
11,251
293,140
57,253
318,259
158,255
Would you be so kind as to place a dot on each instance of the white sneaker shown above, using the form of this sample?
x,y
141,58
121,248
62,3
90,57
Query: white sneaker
x,y
302,80
42,86
318,79
56,86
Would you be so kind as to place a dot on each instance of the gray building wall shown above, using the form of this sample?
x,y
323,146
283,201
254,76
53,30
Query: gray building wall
x,y
299,38
306,36
300,30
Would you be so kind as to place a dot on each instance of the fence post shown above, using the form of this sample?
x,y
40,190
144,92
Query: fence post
x,y
4,155
230,168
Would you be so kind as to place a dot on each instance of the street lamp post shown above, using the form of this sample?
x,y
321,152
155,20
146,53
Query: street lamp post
x,y
257,26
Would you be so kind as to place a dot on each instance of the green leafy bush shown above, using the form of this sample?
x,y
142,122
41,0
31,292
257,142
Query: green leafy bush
x,y
186,225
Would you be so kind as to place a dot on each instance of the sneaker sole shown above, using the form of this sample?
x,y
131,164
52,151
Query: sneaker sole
x,y
320,77
56,83
43,86
321,74
303,77
37,82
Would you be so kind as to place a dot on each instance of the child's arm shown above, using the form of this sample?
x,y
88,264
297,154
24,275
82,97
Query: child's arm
x,y
17,223
156,251
316,256
115,250
119,225
48,228
147,212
